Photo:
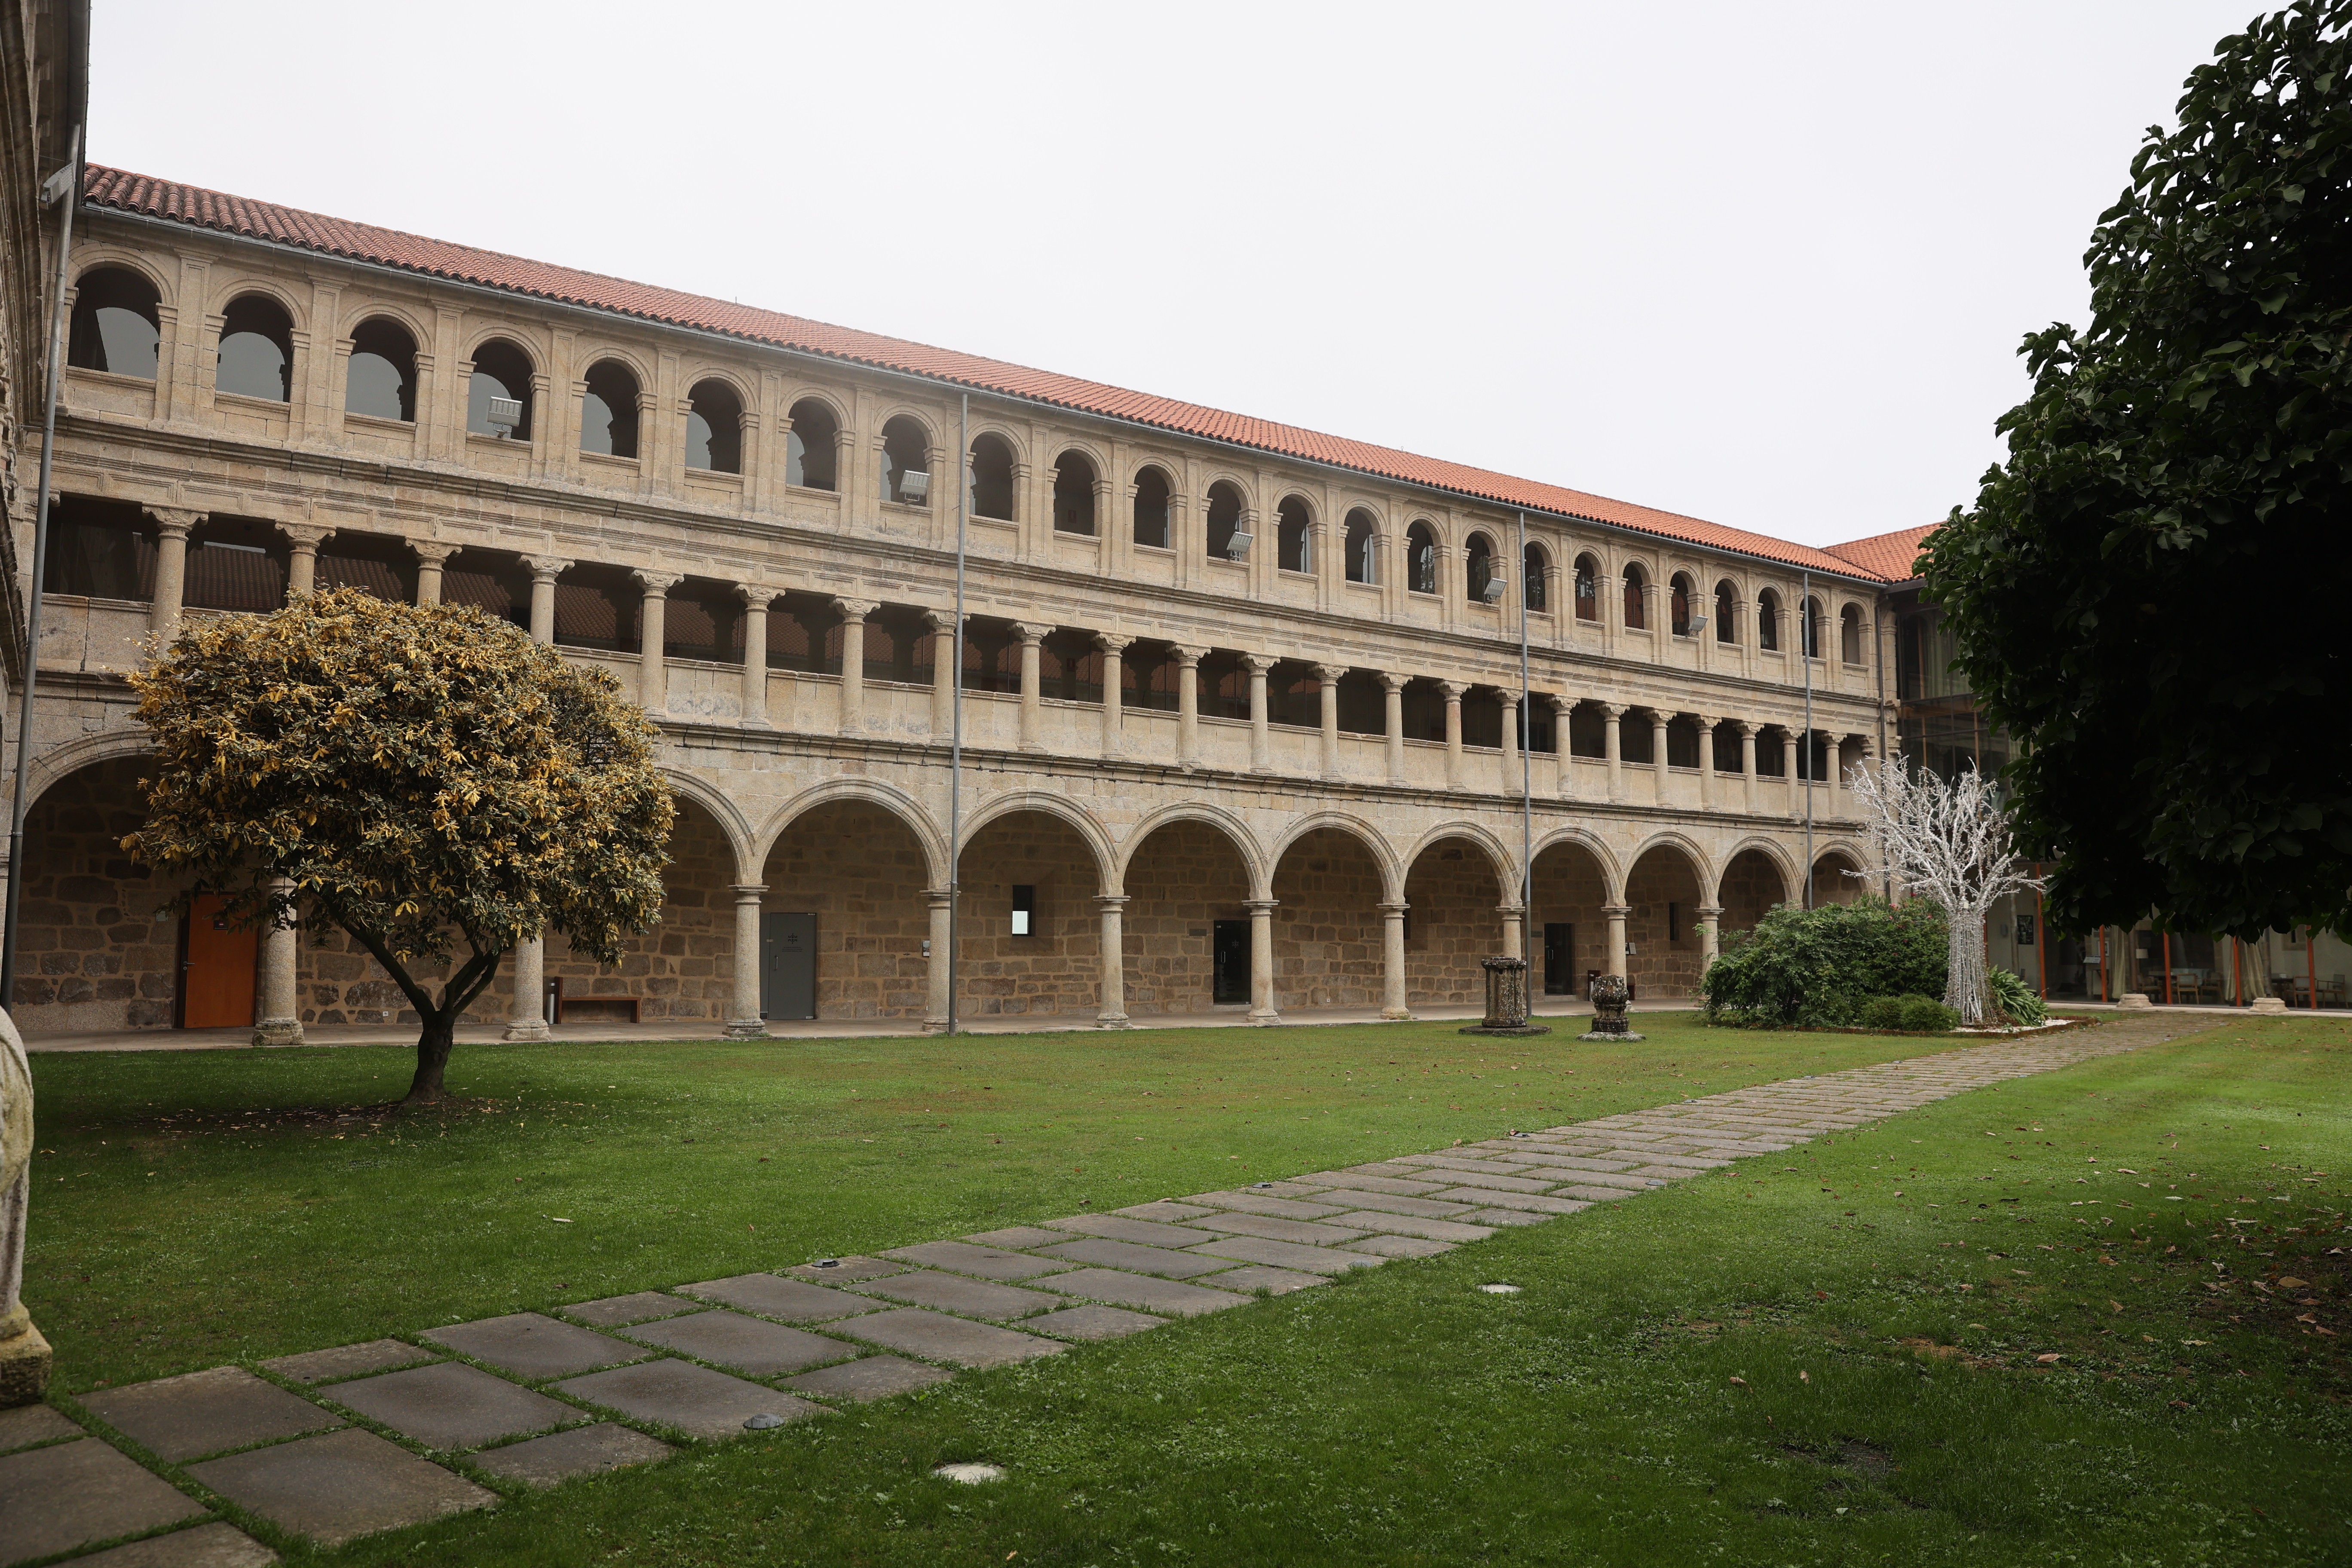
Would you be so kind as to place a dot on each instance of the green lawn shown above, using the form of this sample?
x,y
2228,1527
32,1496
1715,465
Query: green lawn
x,y
1881,1305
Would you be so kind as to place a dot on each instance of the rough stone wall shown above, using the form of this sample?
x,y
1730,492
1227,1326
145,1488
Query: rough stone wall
x,y
1749,889
1327,924
1568,887
93,956
1667,948
1833,886
1184,879
1454,924
1048,972
862,873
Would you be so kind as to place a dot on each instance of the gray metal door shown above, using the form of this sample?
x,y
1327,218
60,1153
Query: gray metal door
x,y
787,966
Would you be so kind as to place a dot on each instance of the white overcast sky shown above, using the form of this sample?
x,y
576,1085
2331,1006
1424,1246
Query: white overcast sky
x,y
1767,264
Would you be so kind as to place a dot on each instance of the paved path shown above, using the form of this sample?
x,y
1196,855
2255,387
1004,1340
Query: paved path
x,y
337,1443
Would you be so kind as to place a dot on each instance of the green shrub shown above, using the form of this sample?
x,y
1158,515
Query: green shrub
x,y
2017,998
1810,968
1926,1015
1880,1012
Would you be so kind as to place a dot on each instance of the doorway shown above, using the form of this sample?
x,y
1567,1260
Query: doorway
x,y
787,966
1229,955
1559,957
216,967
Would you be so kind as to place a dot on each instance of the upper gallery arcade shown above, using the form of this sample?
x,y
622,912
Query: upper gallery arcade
x,y
1242,702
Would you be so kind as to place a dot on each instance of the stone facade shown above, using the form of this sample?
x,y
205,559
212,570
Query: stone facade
x,y
1318,757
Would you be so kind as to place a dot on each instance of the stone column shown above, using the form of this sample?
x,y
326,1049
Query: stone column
x,y
1615,953
302,567
1114,652
1706,723
1451,691
1262,1010
747,1023
1563,707
935,1009
1746,764
1611,713
1188,704
1659,720
1393,1002
1113,963
853,663
527,1016
172,526
1261,742
281,1011
1514,939
756,600
1710,916
1031,691
431,557
1836,743
1795,805
544,571
944,673
1393,689
1327,678
652,674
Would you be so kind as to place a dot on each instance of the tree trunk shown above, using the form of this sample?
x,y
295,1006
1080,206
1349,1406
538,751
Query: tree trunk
x,y
434,1037
1965,981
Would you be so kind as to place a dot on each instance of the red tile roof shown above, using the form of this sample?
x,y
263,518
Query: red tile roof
x,y
1886,555
125,192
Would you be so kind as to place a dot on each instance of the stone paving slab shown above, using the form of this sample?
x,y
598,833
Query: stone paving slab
x,y
30,1423
341,1486
693,1399
869,1378
1505,1216
1255,1276
966,1298
773,1296
348,1361
214,1545
1136,1230
1285,1254
1016,1236
1357,1182
451,1406
752,1346
584,1451
959,1342
1092,1323
1414,1225
1105,1253
1304,1231
638,1307
1119,1290
1384,1203
845,1270
1261,1203
1399,1247
1165,1211
533,1345
206,1412
56,1498
987,1262
1596,1195
1534,1203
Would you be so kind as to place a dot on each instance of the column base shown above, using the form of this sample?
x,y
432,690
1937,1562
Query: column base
x,y
935,1025
746,1029
1268,1017
25,1361
1113,1021
277,1032
1397,1014
524,1029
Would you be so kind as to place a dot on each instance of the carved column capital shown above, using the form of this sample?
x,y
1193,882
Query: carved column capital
x,y
1563,702
1614,710
1393,682
306,535
855,610
174,522
1031,633
1708,721
545,568
432,552
1452,690
757,595
940,620
1259,663
657,585
1189,657
1746,727
1112,643
1328,674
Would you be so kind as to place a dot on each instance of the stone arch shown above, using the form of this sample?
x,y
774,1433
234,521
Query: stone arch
x,y
745,388
1773,852
1575,881
724,811
92,955
923,420
1003,431
359,314
1613,871
1244,842
1499,857
835,402
229,290
92,258
1453,916
1703,868
587,354
52,766
523,339
1666,883
1090,831
1375,842
872,791
1328,881
1832,861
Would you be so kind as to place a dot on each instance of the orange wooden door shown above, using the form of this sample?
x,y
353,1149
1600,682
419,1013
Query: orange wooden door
x,y
217,981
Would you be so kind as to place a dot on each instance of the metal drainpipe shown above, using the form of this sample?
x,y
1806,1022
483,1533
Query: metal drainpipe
x,y
1526,721
72,199
1805,751
955,714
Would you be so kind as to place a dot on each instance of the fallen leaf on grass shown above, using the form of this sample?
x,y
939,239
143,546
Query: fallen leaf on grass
x,y
1804,1377
1740,1382
2047,1359
2119,1306
558,1221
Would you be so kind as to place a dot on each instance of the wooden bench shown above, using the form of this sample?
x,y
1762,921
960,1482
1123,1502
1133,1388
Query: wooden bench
x,y
565,1004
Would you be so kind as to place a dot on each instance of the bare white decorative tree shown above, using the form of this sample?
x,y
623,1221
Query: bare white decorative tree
x,y
1947,839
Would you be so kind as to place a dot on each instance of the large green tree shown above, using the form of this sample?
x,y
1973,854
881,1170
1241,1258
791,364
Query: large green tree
x,y
423,775
2154,592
